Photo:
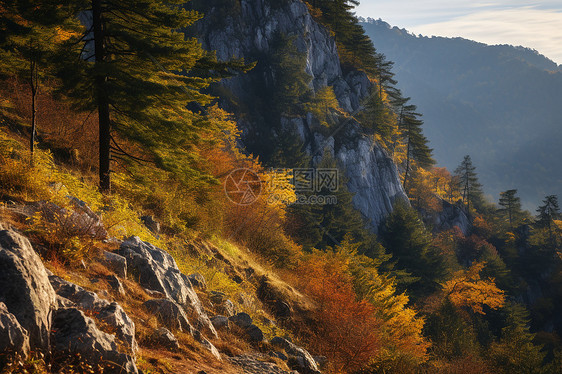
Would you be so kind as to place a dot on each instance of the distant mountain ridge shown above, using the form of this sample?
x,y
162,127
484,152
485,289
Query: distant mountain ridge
x,y
500,104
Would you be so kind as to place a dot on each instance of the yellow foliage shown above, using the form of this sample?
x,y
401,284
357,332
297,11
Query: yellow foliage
x,y
467,289
322,104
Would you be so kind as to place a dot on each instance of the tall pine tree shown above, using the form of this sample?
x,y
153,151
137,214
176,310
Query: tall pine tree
x,y
468,182
139,75
510,206
31,37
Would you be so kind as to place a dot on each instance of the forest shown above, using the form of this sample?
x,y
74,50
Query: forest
x,y
124,109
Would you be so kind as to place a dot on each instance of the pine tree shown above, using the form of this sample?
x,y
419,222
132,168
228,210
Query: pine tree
x,y
511,205
30,39
383,72
407,239
410,131
378,117
547,213
291,79
139,75
468,182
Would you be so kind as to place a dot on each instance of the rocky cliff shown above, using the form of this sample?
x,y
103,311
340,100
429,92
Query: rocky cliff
x,y
247,29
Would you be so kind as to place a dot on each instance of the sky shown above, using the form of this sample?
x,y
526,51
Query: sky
x,y
532,24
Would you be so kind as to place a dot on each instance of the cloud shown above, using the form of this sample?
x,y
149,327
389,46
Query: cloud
x,y
540,29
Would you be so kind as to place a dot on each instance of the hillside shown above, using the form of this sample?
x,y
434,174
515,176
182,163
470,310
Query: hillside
x,y
240,187
500,104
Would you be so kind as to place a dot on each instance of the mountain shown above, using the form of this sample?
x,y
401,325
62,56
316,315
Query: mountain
x,y
252,30
500,104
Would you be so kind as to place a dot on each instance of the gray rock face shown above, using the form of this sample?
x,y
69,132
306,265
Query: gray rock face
x,y
158,271
220,322
304,360
115,263
74,333
449,217
108,312
151,224
80,220
242,320
198,280
164,338
253,365
25,289
169,313
116,285
13,337
206,344
249,31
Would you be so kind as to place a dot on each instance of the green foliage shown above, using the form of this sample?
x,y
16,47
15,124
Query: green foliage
x,y
471,190
510,207
515,352
406,238
451,334
140,77
291,80
378,117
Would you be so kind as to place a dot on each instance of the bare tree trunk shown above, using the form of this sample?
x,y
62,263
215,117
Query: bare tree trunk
x,y
102,99
33,82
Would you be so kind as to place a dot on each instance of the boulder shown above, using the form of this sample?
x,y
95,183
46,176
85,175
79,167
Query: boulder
x,y
279,355
227,308
303,360
13,337
74,333
115,263
116,284
163,337
156,270
255,364
220,322
217,297
198,280
242,320
169,313
78,220
108,312
206,343
151,224
254,333
25,289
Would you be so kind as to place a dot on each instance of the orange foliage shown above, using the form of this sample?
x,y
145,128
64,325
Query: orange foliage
x,y
347,330
467,289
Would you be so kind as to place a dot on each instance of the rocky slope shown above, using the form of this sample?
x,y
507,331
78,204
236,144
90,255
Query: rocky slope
x,y
247,29
142,303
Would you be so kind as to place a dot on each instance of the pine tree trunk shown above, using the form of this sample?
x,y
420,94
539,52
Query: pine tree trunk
x,y
102,99
407,167
33,84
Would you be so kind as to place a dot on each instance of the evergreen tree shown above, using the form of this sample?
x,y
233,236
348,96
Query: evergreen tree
x,y
291,80
383,72
468,182
511,206
30,37
516,352
410,128
139,76
547,213
378,117
406,238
